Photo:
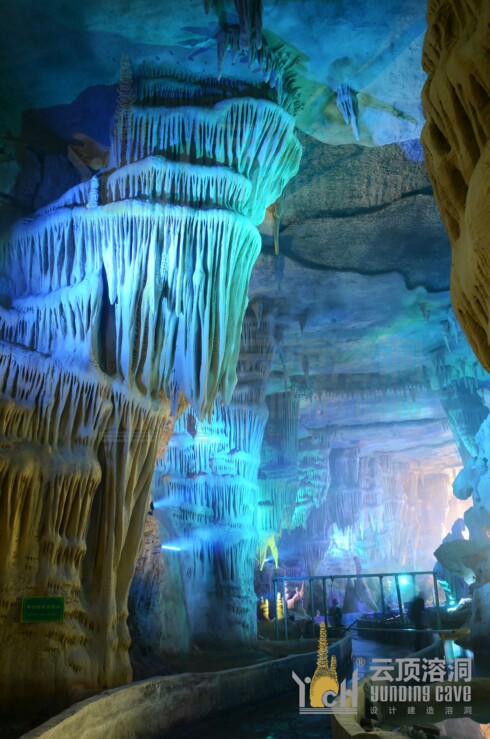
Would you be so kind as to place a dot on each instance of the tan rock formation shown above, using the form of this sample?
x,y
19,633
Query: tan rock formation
x,y
456,139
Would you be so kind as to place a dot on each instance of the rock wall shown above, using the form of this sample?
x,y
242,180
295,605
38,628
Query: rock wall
x,y
375,508
456,140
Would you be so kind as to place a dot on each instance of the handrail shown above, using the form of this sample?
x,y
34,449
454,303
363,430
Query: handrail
x,y
280,587
346,577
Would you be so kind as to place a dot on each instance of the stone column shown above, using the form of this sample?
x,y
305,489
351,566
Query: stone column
x,y
278,473
123,294
205,493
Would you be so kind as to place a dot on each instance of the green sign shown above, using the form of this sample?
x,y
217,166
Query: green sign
x,y
42,609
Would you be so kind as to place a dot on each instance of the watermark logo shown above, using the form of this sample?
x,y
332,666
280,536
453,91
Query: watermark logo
x,y
326,694
415,686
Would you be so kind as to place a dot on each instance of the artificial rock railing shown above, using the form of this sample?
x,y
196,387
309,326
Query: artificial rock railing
x,y
123,294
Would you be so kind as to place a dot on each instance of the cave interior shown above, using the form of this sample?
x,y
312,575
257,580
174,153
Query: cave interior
x,y
243,328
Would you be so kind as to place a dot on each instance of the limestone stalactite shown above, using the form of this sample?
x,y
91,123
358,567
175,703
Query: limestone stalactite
x,y
123,294
344,492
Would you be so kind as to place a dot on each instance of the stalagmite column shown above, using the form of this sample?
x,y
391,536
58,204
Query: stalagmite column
x,y
435,487
375,509
124,293
206,495
344,493
278,473
308,520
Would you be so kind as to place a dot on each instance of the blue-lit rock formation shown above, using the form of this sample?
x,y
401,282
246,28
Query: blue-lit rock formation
x,y
278,473
125,293
458,377
206,498
388,512
470,559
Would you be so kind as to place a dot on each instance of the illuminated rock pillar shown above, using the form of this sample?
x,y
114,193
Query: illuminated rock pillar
x,y
278,473
308,522
344,493
436,488
374,510
125,292
205,494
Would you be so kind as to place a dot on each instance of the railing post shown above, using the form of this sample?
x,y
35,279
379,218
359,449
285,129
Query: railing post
x,y
312,603
325,610
286,616
436,598
399,597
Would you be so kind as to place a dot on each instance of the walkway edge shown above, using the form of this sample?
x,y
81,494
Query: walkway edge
x,y
148,708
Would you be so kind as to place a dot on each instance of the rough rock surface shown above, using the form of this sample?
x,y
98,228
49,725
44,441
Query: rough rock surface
x,y
456,140
365,210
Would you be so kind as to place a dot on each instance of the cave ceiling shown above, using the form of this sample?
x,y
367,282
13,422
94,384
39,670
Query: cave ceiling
x,y
360,289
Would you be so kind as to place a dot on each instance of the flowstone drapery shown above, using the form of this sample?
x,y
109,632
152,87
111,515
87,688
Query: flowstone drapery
x,y
124,293
205,494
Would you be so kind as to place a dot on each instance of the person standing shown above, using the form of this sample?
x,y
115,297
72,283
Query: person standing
x,y
416,616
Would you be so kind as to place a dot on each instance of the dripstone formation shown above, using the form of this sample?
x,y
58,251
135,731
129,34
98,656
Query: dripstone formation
x,y
456,139
206,500
123,294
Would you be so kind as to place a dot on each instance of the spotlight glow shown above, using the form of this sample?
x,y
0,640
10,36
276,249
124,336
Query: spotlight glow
x,y
171,549
403,580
